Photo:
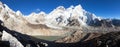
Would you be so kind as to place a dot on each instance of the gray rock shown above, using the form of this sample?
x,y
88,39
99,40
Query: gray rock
x,y
13,41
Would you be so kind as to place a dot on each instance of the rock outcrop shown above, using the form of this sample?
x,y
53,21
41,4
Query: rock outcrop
x,y
11,38
78,36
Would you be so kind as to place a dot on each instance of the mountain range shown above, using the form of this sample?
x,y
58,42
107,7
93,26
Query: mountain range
x,y
61,20
78,28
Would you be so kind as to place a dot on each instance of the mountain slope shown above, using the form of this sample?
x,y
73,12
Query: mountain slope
x,y
58,22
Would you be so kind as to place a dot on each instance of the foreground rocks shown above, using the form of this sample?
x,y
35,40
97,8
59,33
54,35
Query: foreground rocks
x,y
111,39
9,38
12,40
78,36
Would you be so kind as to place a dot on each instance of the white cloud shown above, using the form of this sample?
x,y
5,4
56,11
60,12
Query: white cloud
x,y
37,9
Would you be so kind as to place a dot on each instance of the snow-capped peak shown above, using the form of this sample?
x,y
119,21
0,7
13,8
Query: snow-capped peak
x,y
8,9
42,13
78,9
18,13
61,16
32,14
60,8
64,16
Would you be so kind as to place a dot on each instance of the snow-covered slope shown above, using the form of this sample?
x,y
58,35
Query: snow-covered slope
x,y
10,17
74,16
18,22
36,18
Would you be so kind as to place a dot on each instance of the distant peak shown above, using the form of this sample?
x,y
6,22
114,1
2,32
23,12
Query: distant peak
x,y
60,7
33,13
42,12
6,7
71,7
78,6
18,12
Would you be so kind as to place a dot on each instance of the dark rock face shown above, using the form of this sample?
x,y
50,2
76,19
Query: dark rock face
x,y
95,23
73,22
59,19
1,27
111,39
4,44
105,23
116,22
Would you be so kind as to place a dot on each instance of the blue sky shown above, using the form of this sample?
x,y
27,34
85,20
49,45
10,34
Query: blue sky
x,y
102,8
